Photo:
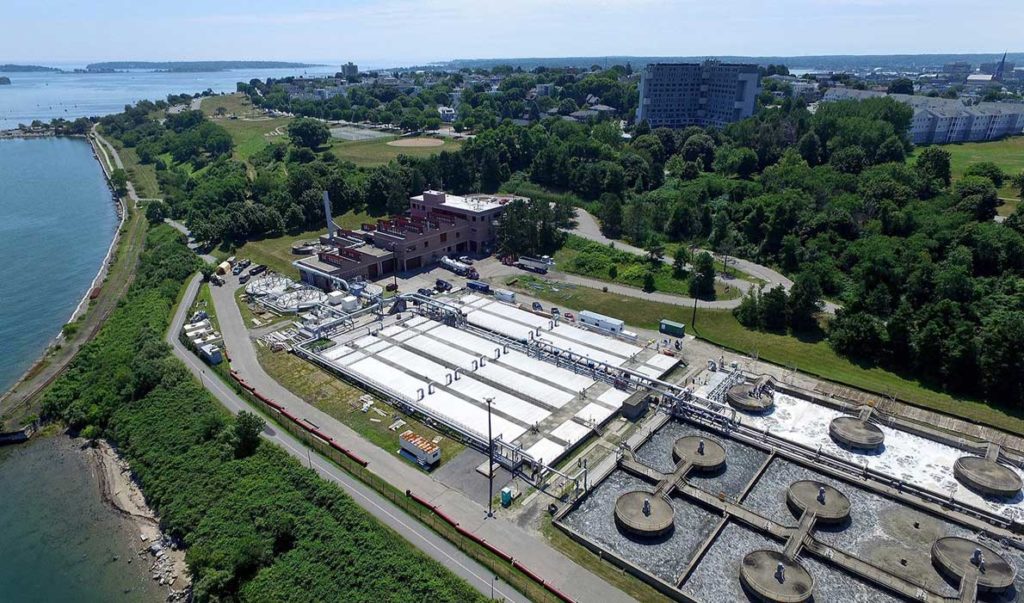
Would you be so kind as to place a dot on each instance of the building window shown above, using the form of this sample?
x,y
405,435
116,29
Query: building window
x,y
424,244
444,237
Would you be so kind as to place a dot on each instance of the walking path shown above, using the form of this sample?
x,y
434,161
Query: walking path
x,y
551,565
385,511
588,227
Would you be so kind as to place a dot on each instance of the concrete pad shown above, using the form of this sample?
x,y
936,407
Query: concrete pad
x,y
570,432
594,413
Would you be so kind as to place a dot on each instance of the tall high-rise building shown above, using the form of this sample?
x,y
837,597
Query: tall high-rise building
x,y
349,70
676,95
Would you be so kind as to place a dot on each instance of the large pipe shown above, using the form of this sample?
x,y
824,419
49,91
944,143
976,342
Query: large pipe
x,y
327,214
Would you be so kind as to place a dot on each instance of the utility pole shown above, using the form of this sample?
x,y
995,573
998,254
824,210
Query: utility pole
x,y
490,462
693,320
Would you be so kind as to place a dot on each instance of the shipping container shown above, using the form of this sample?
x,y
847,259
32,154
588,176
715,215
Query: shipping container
x,y
478,286
671,327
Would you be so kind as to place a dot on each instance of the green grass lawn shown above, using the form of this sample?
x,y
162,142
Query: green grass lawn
x,y
1008,154
143,177
593,260
369,153
276,252
341,401
808,355
236,104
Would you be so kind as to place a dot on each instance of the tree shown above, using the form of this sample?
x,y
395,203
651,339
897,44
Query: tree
x,y
805,301
933,164
986,169
891,151
648,281
702,284
655,253
810,148
773,309
977,196
1018,183
901,86
680,257
156,211
701,149
119,180
308,132
611,216
246,432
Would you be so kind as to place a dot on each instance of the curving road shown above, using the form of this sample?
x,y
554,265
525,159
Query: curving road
x,y
588,227
384,510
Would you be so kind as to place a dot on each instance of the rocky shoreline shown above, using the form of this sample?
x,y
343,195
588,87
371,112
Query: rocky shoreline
x,y
119,489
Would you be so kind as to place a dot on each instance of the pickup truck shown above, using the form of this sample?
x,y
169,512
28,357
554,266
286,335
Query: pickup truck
x,y
258,269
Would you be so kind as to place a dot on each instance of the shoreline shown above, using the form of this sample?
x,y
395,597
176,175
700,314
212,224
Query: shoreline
x,y
119,490
121,209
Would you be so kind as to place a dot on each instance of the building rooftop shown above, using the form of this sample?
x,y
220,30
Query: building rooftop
x,y
470,203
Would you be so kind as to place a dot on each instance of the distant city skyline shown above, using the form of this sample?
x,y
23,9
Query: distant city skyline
x,y
379,33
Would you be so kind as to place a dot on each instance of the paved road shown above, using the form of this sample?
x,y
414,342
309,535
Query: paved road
x,y
519,542
588,227
384,510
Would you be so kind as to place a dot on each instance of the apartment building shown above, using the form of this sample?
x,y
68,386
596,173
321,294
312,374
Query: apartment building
x,y
943,120
676,95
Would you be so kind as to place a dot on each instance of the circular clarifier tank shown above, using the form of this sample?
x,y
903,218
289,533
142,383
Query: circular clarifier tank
x,y
740,397
987,476
855,433
829,504
771,577
703,454
643,513
955,557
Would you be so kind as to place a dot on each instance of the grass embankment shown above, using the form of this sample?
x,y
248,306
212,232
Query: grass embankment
x,y
1008,154
594,260
276,252
258,525
142,176
341,400
813,356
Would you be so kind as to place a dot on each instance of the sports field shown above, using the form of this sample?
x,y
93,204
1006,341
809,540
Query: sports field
x,y
369,153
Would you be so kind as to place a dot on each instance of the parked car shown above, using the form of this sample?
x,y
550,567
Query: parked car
x,y
466,260
555,311
244,263
237,269
257,269
244,279
472,274
391,287
537,307
425,292
569,316
442,285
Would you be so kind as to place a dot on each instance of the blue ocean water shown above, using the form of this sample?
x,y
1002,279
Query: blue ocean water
x,y
57,219
47,95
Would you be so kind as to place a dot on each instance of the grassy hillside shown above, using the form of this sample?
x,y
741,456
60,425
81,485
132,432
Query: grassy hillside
x,y
1008,154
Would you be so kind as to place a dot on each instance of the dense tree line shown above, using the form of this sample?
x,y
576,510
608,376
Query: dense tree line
x,y
257,525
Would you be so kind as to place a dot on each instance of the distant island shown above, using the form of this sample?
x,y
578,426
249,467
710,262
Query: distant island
x,y
10,68
5,81
190,66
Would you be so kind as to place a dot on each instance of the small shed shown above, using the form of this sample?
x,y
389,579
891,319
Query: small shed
x,y
211,354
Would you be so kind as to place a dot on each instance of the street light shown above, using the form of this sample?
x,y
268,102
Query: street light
x,y
490,462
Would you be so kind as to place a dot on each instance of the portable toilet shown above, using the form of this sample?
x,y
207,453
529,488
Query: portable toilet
x,y
506,496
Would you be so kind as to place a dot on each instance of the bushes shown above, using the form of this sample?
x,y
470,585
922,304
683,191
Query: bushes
x,y
258,525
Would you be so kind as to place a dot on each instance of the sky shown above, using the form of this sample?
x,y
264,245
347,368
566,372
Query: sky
x,y
380,33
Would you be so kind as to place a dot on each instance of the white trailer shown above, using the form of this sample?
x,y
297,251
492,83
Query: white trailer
x,y
542,264
504,295
601,322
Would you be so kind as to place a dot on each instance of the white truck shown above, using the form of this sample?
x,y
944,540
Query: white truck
x,y
455,266
541,264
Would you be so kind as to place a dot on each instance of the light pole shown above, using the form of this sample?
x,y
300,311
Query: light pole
x,y
490,462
